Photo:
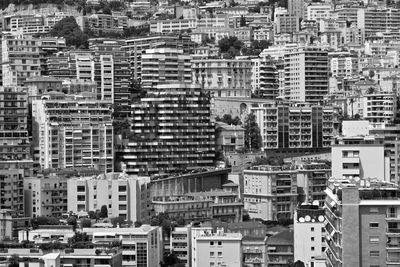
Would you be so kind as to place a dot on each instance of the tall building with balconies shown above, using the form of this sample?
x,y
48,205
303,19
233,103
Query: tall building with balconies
x,y
363,223
165,66
223,77
306,74
136,47
172,131
270,192
24,57
292,128
269,78
380,107
73,131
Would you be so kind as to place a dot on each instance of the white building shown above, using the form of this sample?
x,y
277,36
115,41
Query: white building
x,y
124,196
309,233
359,157
317,12
5,225
218,249
141,246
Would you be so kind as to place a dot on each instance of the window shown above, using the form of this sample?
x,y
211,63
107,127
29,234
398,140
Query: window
x,y
80,188
219,254
122,198
211,243
122,188
373,225
374,239
312,229
211,254
81,197
374,253
219,243
212,264
312,238
312,248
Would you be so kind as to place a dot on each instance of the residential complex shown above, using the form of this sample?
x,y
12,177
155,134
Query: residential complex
x,y
173,119
73,131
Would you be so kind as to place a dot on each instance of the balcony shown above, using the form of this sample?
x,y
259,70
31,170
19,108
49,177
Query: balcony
x,y
393,217
394,231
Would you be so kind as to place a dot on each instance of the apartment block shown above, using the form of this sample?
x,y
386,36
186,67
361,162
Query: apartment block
x,y
124,196
287,128
343,64
306,74
270,192
165,66
173,25
218,249
271,84
375,20
24,57
220,205
73,131
309,233
12,191
173,129
287,23
280,248
360,157
254,249
380,107
141,246
223,77
318,11
102,23
45,196
229,138
362,212
136,47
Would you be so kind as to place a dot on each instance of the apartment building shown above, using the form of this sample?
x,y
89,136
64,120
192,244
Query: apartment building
x,y
254,249
180,244
223,77
318,11
313,178
124,196
229,138
89,257
280,249
270,192
141,246
217,249
309,233
220,205
173,132
24,57
291,128
363,212
380,107
12,191
73,131
136,47
375,20
271,77
45,196
297,8
360,157
306,74
102,23
342,65
173,25
287,23
165,66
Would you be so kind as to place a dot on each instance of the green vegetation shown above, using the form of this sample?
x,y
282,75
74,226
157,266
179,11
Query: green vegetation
x,y
69,29
227,118
43,220
252,134
230,47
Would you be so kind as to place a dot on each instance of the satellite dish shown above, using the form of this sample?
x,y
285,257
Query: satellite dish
x,y
315,203
362,183
307,218
321,218
368,184
301,219
313,220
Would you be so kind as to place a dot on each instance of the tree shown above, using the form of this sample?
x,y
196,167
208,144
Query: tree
x,y
230,46
163,220
79,240
252,135
242,21
43,220
118,221
103,212
86,223
13,261
72,221
51,246
69,29
227,118
138,224
170,260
